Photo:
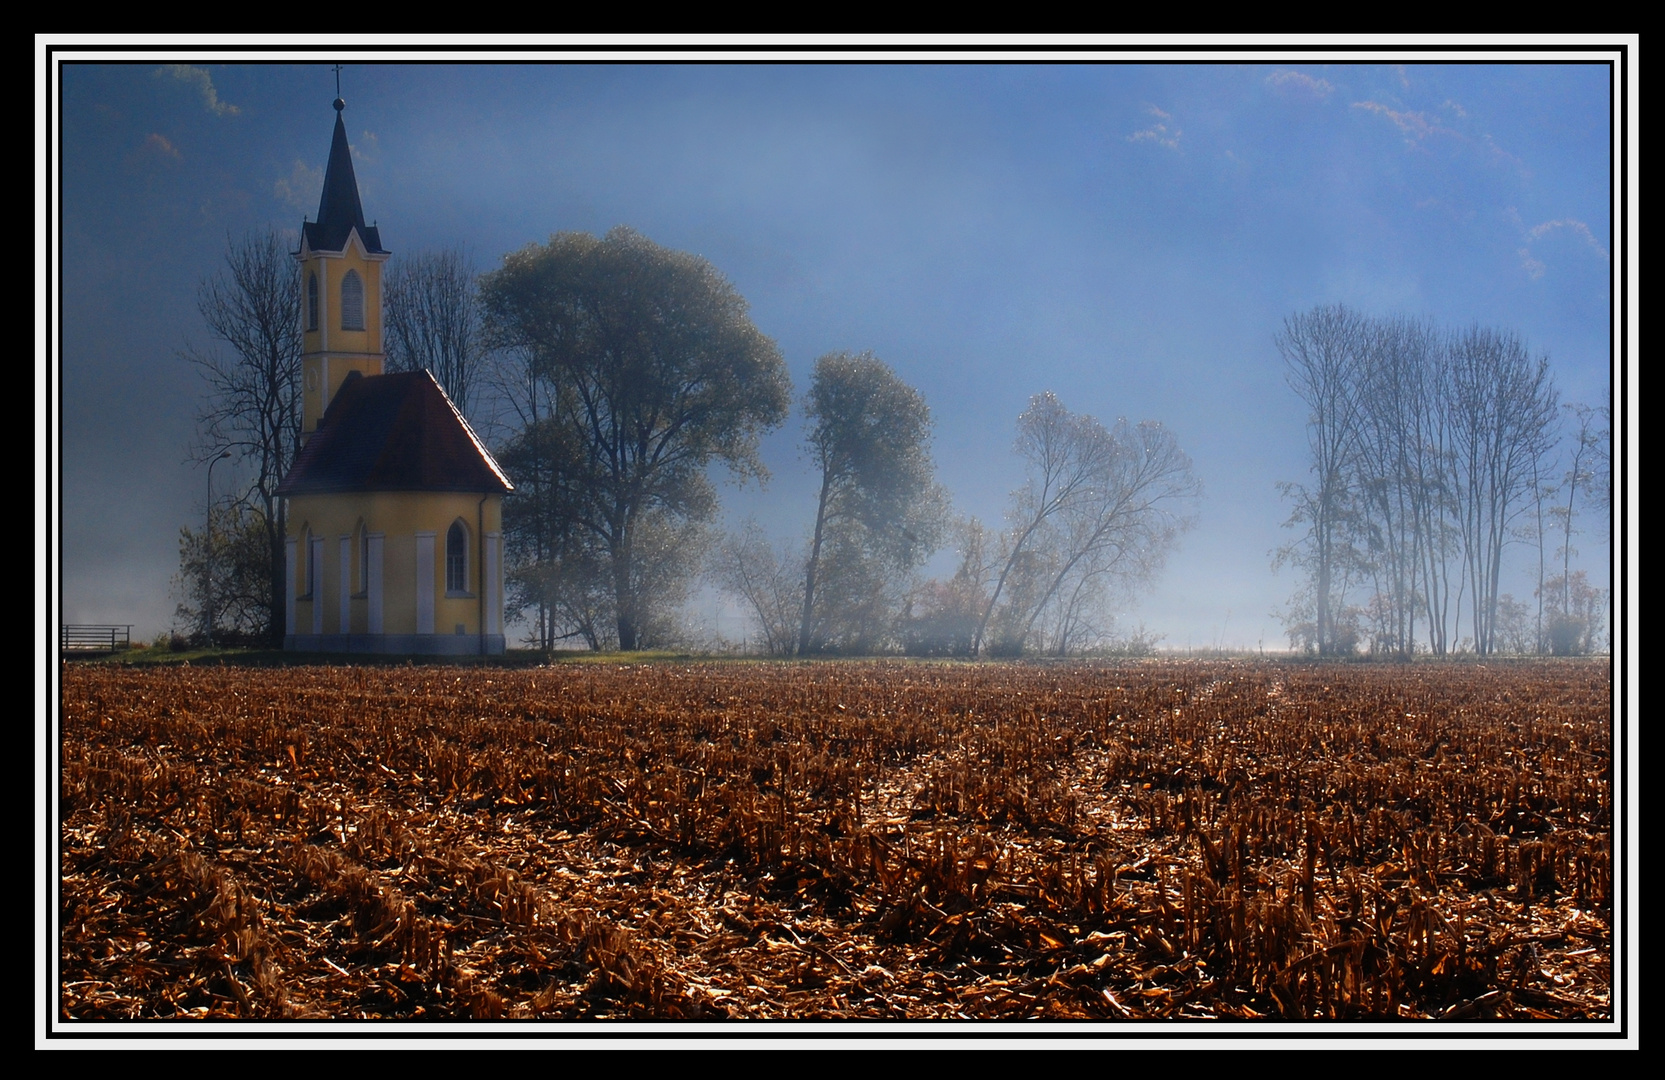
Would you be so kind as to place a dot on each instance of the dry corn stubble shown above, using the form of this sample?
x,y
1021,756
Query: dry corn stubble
x,y
1166,839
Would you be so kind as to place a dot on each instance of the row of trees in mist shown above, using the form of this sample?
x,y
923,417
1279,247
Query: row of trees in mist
x,y
614,376
1099,512
1432,452
629,370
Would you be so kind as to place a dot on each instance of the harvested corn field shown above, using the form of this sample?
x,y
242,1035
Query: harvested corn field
x,y
1169,839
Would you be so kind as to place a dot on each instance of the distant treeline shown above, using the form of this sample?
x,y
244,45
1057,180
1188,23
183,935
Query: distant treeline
x,y
1431,452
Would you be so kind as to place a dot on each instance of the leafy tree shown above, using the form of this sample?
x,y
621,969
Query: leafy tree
x,y
1577,614
670,551
1516,627
223,581
653,371
880,513
556,568
942,616
252,406
1344,628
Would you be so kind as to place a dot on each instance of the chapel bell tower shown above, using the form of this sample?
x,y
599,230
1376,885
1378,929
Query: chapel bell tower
x,y
341,287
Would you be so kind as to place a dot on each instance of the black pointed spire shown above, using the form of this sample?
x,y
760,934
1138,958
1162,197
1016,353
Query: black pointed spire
x,y
339,210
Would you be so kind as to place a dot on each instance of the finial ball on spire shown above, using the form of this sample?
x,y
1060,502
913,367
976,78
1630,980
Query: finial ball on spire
x,y
340,103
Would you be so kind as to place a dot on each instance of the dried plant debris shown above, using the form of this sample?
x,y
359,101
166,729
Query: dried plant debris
x,y
859,840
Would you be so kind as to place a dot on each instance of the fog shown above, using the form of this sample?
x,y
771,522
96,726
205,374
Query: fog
x,y
1128,236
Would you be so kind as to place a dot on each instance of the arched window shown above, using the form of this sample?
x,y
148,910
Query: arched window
x,y
352,301
312,301
456,558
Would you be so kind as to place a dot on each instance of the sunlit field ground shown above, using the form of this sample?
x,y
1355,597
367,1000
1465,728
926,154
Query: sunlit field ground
x,y
838,840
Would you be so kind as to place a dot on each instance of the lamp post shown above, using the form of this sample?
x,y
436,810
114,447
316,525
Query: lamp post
x,y
208,557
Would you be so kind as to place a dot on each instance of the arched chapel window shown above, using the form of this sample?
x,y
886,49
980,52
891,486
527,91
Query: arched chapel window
x,y
312,301
456,558
352,301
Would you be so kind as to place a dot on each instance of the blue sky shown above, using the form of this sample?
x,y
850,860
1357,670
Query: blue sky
x,y
1129,236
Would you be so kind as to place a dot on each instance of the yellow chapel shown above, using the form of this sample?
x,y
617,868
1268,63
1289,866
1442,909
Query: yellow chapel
x,y
395,507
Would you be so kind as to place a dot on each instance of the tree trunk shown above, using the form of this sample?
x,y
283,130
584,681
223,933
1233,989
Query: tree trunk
x,y
624,597
814,562
280,578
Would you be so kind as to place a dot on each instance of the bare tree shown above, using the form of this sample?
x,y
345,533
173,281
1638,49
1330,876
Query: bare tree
x,y
1101,507
1064,454
1118,535
1079,614
1581,478
1516,632
252,405
1428,456
1438,538
1503,408
1542,492
433,321
1601,459
1589,477
1392,472
1324,354
768,578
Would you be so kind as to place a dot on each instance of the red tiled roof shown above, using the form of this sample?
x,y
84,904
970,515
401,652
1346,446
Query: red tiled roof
x,y
393,433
